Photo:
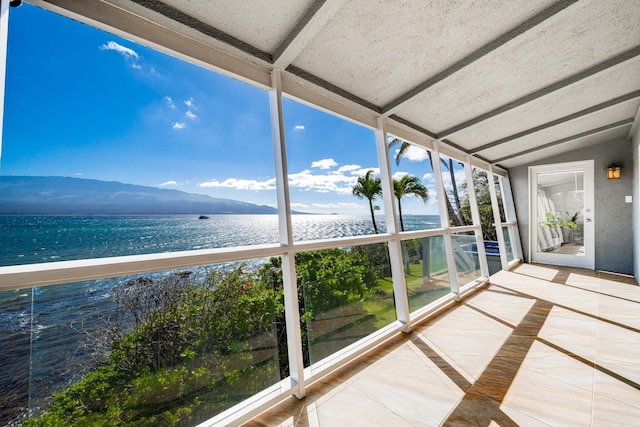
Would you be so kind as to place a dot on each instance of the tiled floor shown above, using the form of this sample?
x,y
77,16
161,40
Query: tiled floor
x,y
540,346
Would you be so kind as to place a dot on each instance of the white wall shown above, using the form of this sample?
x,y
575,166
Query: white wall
x,y
635,147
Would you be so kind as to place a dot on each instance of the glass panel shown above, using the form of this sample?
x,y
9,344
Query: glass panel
x,y
483,196
561,213
425,270
466,255
333,174
492,250
497,180
122,130
15,339
454,179
485,208
348,294
508,238
170,348
414,186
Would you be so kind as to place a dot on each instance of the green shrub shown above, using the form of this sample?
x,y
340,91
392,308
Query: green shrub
x,y
179,346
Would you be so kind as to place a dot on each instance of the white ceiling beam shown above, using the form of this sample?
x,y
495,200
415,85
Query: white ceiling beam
x,y
316,17
406,133
596,108
330,87
412,125
591,132
554,87
394,105
327,100
194,23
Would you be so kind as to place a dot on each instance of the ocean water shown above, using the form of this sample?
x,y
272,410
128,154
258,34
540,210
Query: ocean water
x,y
48,333
28,239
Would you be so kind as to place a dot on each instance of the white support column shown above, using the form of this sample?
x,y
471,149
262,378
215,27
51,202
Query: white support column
x,y
280,154
395,245
510,213
496,219
4,36
444,219
475,215
292,312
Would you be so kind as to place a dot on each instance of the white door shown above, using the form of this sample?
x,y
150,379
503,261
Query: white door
x,y
561,226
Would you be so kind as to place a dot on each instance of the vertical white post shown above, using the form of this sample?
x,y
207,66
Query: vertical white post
x,y
498,222
475,215
510,212
395,245
4,36
444,220
292,313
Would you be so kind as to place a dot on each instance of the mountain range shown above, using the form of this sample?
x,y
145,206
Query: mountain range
x,y
63,195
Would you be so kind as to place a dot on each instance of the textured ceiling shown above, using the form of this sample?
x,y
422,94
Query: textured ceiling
x,y
508,81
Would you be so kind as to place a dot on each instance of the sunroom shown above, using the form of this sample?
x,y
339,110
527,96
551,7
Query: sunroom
x,y
422,200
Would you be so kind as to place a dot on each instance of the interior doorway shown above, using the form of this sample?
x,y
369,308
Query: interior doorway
x,y
561,200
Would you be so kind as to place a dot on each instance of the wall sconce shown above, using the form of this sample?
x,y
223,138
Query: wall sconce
x,y
613,171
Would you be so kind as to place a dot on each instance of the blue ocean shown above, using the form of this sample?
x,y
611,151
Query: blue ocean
x,y
47,340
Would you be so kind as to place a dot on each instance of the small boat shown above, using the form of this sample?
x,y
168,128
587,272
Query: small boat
x,y
203,217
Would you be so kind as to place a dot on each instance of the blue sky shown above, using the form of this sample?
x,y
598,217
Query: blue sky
x,y
84,103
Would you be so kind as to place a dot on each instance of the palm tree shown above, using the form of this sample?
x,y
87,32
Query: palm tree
x,y
408,185
453,215
368,187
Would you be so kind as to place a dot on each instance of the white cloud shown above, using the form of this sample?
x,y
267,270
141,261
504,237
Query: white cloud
x,y
306,180
399,175
241,184
429,177
79,173
349,168
459,175
169,101
363,171
298,127
189,103
324,164
167,184
414,153
179,126
323,183
124,51
433,195
190,115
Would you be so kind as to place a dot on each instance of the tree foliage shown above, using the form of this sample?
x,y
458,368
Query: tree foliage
x,y
483,196
368,187
331,278
454,214
172,340
182,348
405,186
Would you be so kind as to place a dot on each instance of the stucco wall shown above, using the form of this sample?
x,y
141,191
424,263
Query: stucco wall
x,y
614,239
635,148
